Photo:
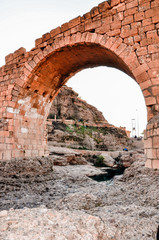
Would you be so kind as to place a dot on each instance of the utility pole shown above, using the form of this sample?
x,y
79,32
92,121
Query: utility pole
x,y
137,121
133,124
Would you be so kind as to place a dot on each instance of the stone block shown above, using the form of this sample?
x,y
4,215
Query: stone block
x,y
155,164
103,6
114,2
148,163
148,143
55,32
150,101
156,142
74,22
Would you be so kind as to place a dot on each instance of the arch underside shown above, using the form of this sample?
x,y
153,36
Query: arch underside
x,y
54,71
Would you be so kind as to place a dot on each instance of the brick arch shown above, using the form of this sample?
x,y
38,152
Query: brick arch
x,y
81,51
121,34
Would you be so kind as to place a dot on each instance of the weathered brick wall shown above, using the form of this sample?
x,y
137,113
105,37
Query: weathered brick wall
x,y
122,34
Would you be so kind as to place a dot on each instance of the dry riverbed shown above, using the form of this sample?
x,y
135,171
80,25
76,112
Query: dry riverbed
x,y
41,201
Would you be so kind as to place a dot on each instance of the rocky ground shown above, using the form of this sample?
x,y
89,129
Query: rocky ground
x,y
42,201
91,138
79,125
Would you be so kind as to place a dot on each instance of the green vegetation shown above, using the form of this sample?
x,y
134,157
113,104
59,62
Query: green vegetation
x,y
69,129
99,162
85,130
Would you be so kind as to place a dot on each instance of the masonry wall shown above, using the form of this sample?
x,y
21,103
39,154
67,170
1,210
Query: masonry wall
x,y
121,34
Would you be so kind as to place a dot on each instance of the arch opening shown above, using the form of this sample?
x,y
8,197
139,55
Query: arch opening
x,y
115,94
54,71
46,79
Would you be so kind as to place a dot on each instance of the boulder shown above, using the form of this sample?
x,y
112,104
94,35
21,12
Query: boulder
x,y
108,160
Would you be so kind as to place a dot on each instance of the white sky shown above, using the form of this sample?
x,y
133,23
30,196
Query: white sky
x,y
111,91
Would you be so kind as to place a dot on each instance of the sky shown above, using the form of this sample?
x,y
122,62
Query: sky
x,y
113,92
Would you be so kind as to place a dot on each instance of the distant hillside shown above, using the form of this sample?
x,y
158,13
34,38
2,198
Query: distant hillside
x,y
88,130
68,105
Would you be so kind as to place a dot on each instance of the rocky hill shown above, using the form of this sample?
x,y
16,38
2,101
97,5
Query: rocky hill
x,y
79,125
68,105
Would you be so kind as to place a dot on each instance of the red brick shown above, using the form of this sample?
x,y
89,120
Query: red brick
x,y
155,19
142,68
152,12
148,163
155,90
139,16
107,20
146,93
127,20
129,41
132,4
38,41
149,41
78,28
125,31
89,25
74,22
144,7
94,11
143,77
151,153
118,16
114,2
150,101
130,11
154,4
115,32
137,38
155,164
155,141
86,16
116,44
153,48
120,7
103,6
155,81
20,51
64,27
46,37
120,49
151,34
115,25
145,84
55,31
149,28
141,51
9,58
146,22
154,64
110,42
104,28
153,73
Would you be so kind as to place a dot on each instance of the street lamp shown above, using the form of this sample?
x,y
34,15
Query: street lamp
x,y
137,121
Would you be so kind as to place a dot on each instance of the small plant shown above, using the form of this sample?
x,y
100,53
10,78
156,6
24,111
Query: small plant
x,y
99,161
98,140
69,129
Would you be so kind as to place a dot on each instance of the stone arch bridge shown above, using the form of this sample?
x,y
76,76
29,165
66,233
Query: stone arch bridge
x,y
119,33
